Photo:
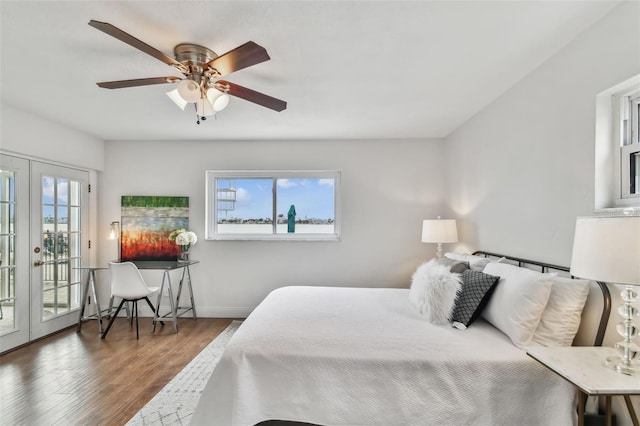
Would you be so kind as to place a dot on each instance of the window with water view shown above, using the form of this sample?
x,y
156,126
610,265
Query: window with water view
x,y
272,205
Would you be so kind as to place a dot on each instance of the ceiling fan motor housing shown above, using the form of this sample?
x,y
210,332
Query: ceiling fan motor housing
x,y
194,57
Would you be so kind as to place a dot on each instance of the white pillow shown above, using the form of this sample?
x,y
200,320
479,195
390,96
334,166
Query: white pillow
x,y
517,303
433,291
561,318
477,263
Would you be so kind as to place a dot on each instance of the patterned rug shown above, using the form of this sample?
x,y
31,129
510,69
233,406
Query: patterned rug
x,y
175,403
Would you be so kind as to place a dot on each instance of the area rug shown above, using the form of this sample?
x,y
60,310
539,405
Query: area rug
x,y
175,403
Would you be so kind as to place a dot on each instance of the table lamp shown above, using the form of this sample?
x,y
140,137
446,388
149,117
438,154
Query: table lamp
x,y
608,249
439,231
114,235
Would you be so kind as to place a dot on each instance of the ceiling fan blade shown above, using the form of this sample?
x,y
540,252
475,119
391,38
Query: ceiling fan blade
x,y
138,44
137,82
241,57
253,96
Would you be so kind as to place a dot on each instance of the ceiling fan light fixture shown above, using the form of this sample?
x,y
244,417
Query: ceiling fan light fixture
x,y
218,99
204,108
189,90
177,99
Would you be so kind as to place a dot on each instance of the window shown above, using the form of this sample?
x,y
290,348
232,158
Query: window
x,y
617,166
629,145
272,205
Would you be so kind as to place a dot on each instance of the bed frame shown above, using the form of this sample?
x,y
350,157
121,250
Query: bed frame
x,y
548,267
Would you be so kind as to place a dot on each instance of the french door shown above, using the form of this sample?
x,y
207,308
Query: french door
x,y
14,252
43,237
58,228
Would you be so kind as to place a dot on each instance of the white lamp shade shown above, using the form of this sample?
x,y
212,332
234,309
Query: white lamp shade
x,y
189,90
204,108
177,99
218,99
607,249
439,231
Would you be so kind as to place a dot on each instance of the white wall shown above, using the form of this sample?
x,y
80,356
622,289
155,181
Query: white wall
x,y
522,170
35,138
388,187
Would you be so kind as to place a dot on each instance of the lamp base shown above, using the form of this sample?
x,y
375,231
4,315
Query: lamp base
x,y
439,251
626,362
619,365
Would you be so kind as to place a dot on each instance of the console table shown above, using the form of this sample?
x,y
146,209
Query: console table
x,y
175,309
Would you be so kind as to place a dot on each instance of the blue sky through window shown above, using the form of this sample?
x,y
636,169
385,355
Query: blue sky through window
x,y
313,198
49,198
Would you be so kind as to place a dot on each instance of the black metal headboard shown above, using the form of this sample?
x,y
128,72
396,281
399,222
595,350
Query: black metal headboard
x,y
546,267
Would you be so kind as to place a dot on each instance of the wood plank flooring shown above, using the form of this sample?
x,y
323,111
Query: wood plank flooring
x,y
75,378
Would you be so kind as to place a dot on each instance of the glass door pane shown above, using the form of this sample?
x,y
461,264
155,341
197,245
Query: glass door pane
x,y
7,251
60,291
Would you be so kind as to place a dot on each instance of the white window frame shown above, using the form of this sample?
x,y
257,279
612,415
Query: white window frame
x,y
630,142
211,207
627,138
616,140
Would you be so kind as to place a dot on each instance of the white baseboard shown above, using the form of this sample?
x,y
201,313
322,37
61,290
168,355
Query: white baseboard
x,y
223,312
202,311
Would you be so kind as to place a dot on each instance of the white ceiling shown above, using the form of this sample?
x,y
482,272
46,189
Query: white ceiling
x,y
348,69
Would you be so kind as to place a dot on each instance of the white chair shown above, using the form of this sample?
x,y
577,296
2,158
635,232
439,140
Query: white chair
x,y
128,284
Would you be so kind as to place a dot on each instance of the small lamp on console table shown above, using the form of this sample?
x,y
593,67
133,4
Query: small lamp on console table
x,y
439,231
114,235
608,249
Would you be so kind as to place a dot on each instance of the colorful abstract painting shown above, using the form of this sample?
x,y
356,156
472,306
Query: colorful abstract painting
x,y
147,222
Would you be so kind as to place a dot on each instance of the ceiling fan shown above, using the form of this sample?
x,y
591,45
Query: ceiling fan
x,y
202,69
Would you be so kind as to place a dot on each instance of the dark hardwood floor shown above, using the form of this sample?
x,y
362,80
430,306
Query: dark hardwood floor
x,y
78,379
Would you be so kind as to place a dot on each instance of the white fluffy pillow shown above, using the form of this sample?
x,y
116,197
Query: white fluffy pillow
x,y
477,263
517,303
433,291
561,318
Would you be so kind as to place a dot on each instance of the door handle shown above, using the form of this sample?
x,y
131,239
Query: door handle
x,y
38,262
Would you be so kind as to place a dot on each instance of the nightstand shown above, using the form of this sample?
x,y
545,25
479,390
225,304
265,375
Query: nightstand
x,y
583,366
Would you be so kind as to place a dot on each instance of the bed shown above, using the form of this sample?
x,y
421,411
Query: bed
x,y
365,356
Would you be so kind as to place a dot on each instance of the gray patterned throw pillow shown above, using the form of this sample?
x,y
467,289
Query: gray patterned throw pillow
x,y
473,296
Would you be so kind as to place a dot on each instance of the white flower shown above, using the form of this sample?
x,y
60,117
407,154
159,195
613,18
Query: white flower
x,y
192,237
186,238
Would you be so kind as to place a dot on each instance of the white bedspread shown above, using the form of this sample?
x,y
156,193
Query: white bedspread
x,y
353,356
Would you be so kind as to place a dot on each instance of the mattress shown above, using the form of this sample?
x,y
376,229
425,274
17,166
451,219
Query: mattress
x,y
356,356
